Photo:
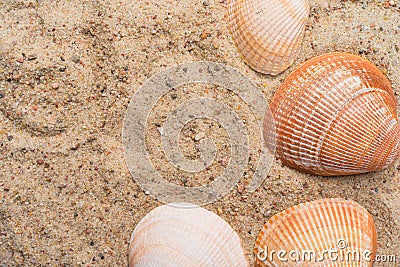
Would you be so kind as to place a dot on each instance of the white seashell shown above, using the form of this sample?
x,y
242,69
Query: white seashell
x,y
268,33
181,236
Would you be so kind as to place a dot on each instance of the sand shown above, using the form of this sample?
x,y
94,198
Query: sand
x,y
68,70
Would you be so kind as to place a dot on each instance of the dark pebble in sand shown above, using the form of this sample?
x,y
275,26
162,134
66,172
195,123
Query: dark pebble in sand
x,y
10,138
1,95
31,57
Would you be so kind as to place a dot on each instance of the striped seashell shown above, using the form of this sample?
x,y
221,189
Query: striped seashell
x,y
182,236
327,232
268,33
336,115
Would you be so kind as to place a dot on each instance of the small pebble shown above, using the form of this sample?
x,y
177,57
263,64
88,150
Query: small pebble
x,y
10,138
199,136
204,35
31,57
206,3
184,181
240,188
76,59
100,64
1,95
55,86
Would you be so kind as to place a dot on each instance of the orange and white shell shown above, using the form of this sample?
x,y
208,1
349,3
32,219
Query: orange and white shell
x,y
336,115
327,232
182,236
268,33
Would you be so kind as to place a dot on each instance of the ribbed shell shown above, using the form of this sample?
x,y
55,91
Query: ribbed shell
x,y
327,224
336,115
177,236
268,33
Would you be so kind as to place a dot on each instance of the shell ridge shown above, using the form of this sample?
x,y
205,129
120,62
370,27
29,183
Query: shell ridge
x,y
269,33
267,30
357,94
372,143
277,60
319,225
326,217
293,109
320,95
318,220
202,236
167,246
342,133
394,130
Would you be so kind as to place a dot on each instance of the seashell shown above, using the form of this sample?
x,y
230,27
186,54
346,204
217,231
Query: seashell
x,y
327,232
268,33
336,115
182,236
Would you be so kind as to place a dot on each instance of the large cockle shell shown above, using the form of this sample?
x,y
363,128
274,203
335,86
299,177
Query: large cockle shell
x,y
181,236
327,232
268,33
336,115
